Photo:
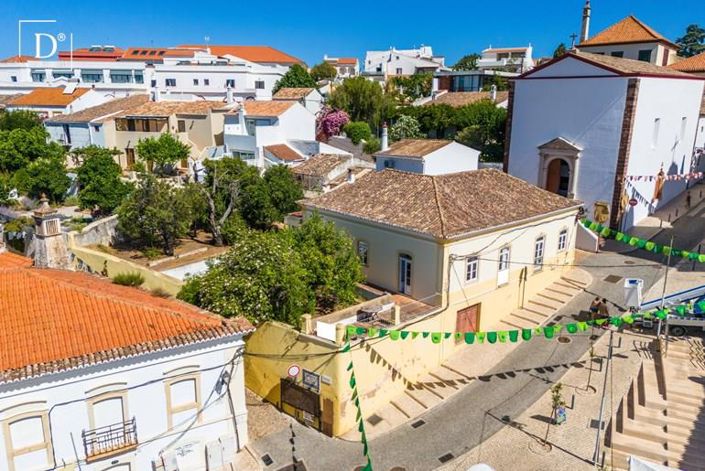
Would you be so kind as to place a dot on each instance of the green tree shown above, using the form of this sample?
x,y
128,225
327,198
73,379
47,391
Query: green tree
x,y
225,179
100,185
19,119
693,41
163,151
560,50
47,176
358,131
323,71
411,88
296,77
154,214
256,206
363,100
331,260
20,146
284,190
406,127
262,277
468,62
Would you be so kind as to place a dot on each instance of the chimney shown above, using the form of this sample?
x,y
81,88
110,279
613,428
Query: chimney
x,y
585,30
385,137
493,93
229,96
2,238
351,176
156,94
396,315
48,245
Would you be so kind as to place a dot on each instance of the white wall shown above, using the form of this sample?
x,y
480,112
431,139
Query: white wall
x,y
585,111
399,163
700,138
452,158
669,100
631,51
64,397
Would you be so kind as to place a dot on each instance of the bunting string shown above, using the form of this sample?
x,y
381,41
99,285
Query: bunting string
x,y
639,197
355,398
674,177
608,233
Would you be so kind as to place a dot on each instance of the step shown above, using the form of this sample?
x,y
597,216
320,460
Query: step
x,y
439,385
424,397
544,305
690,463
566,294
684,408
685,428
640,447
526,318
650,416
621,460
574,282
650,432
681,414
551,297
409,406
691,398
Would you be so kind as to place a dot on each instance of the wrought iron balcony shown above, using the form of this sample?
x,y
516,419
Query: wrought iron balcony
x,y
110,440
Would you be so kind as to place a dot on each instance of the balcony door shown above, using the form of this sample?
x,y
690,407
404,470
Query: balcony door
x,y
107,412
503,267
405,274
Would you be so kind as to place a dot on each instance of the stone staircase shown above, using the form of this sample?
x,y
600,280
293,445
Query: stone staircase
x,y
662,416
543,306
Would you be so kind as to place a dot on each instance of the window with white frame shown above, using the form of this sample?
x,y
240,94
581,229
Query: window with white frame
x,y
170,82
504,259
183,400
29,442
362,251
562,240
472,265
539,247
259,84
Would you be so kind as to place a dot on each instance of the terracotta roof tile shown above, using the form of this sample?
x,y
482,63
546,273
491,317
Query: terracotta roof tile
x,y
628,66
155,54
443,206
267,108
261,54
344,60
458,99
17,59
100,112
55,320
691,64
415,148
284,152
628,30
319,165
168,108
292,93
48,97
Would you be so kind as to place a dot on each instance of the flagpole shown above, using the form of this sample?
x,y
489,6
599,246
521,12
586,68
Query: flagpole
x,y
663,295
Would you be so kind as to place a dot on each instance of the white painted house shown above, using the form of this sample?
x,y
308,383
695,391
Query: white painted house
x,y
310,98
345,66
260,132
403,62
428,157
48,102
508,59
97,376
580,125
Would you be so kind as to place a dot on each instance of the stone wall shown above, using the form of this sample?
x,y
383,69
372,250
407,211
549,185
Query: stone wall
x,y
100,232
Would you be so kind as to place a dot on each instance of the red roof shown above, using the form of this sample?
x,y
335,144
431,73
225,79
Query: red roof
x,y
48,97
261,54
627,31
694,64
92,54
154,54
54,320
17,59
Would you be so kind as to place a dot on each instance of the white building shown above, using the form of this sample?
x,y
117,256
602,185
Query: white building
x,y
508,59
630,39
97,376
428,156
346,66
580,125
260,132
403,62
249,71
48,102
310,98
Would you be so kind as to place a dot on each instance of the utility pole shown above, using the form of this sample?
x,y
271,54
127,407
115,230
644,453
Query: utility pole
x,y
663,296
596,455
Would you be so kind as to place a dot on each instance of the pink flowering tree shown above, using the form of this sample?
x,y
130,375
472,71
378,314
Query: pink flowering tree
x,y
330,122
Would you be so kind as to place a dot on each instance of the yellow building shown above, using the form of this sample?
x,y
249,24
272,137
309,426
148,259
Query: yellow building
x,y
458,251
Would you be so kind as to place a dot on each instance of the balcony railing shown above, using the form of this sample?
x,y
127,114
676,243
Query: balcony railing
x,y
110,440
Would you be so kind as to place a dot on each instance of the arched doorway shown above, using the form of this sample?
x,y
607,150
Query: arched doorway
x,y
558,177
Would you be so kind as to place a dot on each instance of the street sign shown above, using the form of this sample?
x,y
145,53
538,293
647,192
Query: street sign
x,y
293,371
633,202
311,380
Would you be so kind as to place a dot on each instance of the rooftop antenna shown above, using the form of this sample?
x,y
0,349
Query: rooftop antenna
x,y
207,39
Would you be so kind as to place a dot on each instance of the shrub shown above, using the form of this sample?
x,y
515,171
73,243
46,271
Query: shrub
x,y
160,293
152,253
372,145
128,279
358,131
71,201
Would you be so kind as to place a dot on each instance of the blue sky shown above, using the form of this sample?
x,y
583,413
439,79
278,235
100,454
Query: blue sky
x,y
346,28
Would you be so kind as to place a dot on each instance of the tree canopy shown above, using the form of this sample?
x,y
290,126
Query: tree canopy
x,y
47,176
19,147
467,62
405,127
363,100
560,50
155,214
323,71
412,87
19,119
358,131
163,151
100,187
280,275
296,77
692,42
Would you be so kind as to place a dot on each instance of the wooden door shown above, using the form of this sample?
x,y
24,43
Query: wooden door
x,y
468,319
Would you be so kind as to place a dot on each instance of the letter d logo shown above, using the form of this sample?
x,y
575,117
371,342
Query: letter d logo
x,y
38,45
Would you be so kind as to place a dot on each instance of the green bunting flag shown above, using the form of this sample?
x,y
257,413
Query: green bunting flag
x,y
491,337
361,331
414,335
649,246
571,328
404,334
350,366
513,336
480,337
346,348
394,334
425,334
600,321
526,334
351,331
436,337
448,335
582,326
502,335
616,321
372,331
680,310
352,381
469,337
383,332
548,332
